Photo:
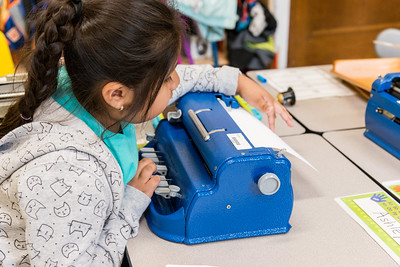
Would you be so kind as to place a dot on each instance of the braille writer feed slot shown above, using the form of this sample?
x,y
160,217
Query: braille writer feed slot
x,y
198,124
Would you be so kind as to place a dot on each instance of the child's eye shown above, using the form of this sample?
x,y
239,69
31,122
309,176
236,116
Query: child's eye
x,y
168,79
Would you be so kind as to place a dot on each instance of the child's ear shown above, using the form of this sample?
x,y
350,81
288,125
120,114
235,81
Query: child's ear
x,y
117,95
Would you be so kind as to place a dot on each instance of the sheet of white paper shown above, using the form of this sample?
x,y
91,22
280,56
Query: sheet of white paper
x,y
258,133
307,82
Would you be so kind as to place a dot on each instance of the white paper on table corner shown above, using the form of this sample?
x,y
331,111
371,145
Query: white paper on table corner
x,y
258,133
308,82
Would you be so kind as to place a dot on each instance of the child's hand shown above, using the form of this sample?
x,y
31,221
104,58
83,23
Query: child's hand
x,y
259,98
143,180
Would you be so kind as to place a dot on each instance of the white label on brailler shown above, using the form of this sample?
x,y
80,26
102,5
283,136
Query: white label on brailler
x,y
239,141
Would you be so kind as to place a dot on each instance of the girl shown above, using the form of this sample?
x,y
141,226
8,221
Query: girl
x,y
72,190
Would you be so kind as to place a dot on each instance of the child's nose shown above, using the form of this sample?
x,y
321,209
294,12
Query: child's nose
x,y
175,80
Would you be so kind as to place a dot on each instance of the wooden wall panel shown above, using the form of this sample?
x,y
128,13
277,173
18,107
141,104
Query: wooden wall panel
x,y
322,31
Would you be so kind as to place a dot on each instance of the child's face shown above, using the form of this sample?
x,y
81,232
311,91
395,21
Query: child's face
x,y
164,95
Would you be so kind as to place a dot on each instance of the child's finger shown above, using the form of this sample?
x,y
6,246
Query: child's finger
x,y
151,185
285,115
154,181
146,172
142,163
271,117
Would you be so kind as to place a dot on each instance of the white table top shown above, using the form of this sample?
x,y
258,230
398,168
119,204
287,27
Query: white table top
x,y
323,234
373,159
327,113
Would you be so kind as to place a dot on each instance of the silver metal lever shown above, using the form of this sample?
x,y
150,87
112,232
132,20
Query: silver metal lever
x,y
198,124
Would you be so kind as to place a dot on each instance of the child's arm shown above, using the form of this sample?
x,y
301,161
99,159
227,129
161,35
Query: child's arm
x,y
205,78
259,98
229,81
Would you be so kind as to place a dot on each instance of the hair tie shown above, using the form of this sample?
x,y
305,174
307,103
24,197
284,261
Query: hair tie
x,y
78,7
24,118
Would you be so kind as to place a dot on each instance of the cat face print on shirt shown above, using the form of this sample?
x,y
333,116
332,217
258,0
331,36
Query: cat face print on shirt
x,y
79,227
110,238
33,207
76,170
126,231
99,185
69,248
99,168
28,127
47,148
100,209
26,157
84,199
60,188
46,128
188,74
62,211
115,178
32,181
20,244
45,231
5,218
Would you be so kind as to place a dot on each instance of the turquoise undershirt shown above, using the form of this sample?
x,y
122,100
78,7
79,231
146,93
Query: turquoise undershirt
x,y
122,146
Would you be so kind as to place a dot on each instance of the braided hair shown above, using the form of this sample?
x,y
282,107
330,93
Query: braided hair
x,y
133,42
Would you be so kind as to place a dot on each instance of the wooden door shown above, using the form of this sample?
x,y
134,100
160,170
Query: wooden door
x,y
322,31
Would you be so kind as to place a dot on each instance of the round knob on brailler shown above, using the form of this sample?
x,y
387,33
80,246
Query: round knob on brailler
x,y
269,184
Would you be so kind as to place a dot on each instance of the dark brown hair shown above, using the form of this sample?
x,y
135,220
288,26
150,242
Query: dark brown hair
x,y
134,42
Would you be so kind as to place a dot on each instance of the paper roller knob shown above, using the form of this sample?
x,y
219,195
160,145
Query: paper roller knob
x,y
269,184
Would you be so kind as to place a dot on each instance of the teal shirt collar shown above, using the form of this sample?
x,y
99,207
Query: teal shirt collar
x,y
122,146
